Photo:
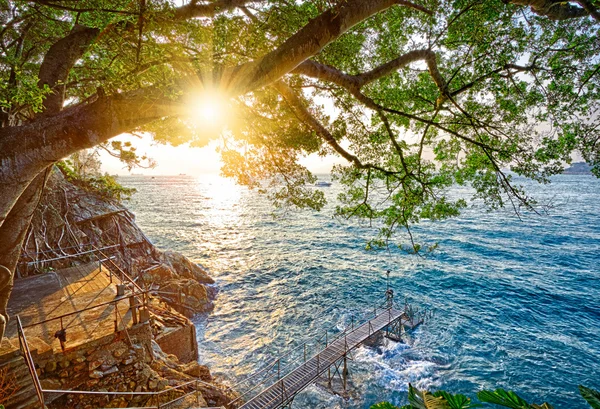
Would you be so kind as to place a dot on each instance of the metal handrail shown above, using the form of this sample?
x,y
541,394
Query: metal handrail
x,y
316,339
348,329
65,256
155,394
59,317
124,275
319,369
24,346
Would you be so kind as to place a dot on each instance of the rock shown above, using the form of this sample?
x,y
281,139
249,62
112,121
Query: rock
x,y
50,383
111,371
198,291
197,371
185,268
64,364
94,364
64,374
92,382
119,352
95,374
192,301
132,385
161,273
162,384
128,361
152,384
80,367
50,366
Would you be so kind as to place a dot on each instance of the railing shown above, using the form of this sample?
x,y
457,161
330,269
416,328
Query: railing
x,y
68,314
124,277
24,346
314,342
154,401
66,256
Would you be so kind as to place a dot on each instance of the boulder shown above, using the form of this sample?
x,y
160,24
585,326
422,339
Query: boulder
x,y
185,268
197,371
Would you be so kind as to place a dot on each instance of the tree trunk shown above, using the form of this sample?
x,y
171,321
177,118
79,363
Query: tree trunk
x,y
12,234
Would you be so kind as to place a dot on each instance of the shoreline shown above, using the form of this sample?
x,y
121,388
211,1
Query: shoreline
x,y
167,349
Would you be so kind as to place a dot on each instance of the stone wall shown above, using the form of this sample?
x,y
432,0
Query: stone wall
x,y
88,365
180,342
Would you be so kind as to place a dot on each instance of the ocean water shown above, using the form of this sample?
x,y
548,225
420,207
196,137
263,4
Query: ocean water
x,y
516,302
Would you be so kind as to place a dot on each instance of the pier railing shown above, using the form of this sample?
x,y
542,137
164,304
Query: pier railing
x,y
278,368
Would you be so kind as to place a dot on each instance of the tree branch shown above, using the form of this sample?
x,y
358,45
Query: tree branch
x,y
208,9
557,10
308,41
58,62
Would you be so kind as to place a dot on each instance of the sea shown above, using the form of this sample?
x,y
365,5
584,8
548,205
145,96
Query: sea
x,y
513,301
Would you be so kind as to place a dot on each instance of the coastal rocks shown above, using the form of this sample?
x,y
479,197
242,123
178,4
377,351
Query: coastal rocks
x,y
185,268
189,293
197,371
93,220
123,361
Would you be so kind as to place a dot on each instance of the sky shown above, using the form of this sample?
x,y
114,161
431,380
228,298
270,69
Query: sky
x,y
190,161
172,160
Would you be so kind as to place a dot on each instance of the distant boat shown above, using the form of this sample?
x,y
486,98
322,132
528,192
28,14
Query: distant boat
x,y
182,174
322,183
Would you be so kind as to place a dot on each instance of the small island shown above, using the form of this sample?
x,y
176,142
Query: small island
x,y
578,168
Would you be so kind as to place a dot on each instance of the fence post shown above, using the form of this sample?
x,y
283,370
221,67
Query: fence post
x,y
133,309
304,352
116,318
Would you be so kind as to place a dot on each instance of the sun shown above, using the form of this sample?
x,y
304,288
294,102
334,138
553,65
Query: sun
x,y
208,109
209,112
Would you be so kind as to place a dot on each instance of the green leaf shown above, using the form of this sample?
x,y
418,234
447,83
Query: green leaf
x,y
457,401
591,396
383,405
504,398
425,400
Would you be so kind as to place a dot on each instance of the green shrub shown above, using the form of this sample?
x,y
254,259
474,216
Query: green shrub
x,y
103,185
443,400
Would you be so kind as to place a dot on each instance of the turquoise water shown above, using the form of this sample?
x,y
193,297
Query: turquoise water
x,y
516,303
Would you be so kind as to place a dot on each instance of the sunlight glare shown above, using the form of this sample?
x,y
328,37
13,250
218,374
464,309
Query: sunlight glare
x,y
208,108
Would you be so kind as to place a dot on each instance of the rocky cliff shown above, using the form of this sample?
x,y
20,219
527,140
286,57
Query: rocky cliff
x,y
76,226
71,222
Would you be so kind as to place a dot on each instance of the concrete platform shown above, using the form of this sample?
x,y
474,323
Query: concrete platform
x,y
44,297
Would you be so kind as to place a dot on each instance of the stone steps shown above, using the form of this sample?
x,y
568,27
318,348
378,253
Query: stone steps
x,y
25,396
16,368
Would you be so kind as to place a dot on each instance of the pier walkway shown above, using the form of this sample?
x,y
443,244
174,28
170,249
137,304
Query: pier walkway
x,y
282,392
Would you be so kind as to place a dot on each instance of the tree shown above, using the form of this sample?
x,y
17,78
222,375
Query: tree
x,y
428,93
